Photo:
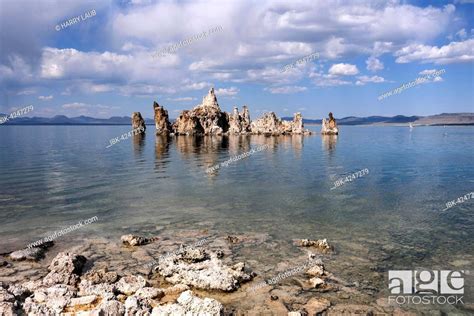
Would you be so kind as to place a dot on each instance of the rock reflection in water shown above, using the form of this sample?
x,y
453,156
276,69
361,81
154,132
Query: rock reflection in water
x,y
138,143
329,143
162,146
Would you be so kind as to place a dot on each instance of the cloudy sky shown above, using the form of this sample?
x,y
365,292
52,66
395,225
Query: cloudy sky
x,y
104,65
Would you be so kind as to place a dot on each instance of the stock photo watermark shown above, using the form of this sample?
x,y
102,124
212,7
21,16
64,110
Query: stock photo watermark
x,y
426,287
350,178
125,136
300,61
418,81
288,273
173,48
16,114
74,20
61,232
459,200
237,158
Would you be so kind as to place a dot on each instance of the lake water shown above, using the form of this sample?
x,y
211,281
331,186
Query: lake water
x,y
389,219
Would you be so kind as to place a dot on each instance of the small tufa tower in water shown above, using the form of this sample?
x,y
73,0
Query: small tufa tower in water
x,y
329,127
137,121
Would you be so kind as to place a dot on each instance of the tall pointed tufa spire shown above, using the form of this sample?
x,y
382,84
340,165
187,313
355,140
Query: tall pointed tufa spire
x,y
210,100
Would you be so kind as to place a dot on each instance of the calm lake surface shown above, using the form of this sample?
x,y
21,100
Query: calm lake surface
x,y
391,218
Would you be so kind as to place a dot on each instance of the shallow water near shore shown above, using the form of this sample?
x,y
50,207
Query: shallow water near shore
x,y
389,219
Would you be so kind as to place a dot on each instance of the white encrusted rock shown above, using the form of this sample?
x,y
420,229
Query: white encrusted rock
x,y
64,269
149,292
130,284
202,270
188,304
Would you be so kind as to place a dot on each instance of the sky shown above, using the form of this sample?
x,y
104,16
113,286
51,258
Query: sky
x,y
105,62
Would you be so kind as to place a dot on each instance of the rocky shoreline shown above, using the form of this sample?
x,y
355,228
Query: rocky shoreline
x,y
187,278
207,118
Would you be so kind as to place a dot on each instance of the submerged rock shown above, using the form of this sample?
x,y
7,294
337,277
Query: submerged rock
x,y
321,245
197,268
189,304
27,254
31,253
134,240
138,122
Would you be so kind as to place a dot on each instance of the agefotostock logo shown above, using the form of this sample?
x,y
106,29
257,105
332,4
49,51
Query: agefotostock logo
x,y
426,287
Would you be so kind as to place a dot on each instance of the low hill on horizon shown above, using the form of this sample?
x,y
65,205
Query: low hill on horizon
x,y
432,120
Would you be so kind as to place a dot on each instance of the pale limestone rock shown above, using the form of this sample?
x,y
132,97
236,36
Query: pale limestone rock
x,y
239,123
188,304
87,287
315,306
130,284
150,293
329,127
138,122
83,300
51,300
316,270
111,308
100,276
201,270
7,309
206,118
187,124
245,115
235,122
5,296
176,289
321,245
298,127
268,124
316,282
34,253
64,269
162,123
133,240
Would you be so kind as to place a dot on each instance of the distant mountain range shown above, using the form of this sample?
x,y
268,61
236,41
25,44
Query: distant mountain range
x,y
440,119
432,120
79,120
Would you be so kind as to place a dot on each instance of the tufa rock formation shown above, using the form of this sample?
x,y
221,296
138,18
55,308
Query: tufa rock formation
x,y
239,123
329,127
207,118
162,123
138,121
270,124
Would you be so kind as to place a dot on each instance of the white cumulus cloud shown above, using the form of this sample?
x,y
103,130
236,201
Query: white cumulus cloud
x,y
343,70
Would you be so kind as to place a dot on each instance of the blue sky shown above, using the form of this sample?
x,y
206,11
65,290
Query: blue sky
x,y
102,66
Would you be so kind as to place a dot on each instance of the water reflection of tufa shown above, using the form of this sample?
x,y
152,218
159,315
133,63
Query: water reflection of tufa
x,y
162,146
138,143
329,142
